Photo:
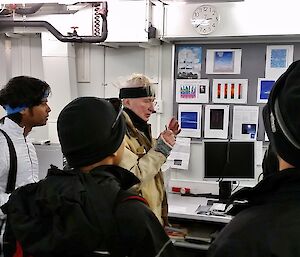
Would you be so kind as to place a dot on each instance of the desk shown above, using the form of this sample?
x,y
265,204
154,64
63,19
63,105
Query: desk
x,y
185,207
182,210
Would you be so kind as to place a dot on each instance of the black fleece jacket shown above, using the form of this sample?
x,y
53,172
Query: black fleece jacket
x,y
269,224
70,213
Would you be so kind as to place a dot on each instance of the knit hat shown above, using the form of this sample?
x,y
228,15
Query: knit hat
x,y
88,132
281,115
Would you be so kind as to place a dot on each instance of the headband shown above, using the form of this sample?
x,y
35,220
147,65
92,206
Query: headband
x,y
11,110
46,94
135,92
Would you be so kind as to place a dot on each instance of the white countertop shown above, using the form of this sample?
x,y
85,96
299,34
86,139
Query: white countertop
x,y
185,207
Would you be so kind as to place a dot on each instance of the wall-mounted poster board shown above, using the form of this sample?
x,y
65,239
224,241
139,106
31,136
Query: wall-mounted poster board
x,y
230,91
189,117
192,90
223,61
216,121
278,59
264,87
252,84
189,62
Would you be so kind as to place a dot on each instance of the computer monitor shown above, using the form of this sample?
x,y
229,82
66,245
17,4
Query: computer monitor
x,y
229,160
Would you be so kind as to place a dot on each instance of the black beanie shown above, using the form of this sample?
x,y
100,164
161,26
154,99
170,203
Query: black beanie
x,y
85,131
282,115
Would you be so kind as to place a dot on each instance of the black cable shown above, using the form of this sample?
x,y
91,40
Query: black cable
x,y
238,184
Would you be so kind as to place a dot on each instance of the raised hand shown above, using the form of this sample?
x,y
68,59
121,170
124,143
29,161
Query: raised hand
x,y
174,126
169,137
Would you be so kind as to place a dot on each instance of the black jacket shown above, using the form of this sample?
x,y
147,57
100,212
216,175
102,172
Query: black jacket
x,y
270,223
74,214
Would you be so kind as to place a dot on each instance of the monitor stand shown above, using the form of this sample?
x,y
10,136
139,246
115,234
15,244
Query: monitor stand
x,y
225,188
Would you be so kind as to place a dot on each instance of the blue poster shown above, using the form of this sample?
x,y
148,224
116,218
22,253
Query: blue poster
x,y
224,61
189,120
265,88
278,58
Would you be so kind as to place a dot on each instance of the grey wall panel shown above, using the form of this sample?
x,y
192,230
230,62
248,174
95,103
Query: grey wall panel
x,y
252,68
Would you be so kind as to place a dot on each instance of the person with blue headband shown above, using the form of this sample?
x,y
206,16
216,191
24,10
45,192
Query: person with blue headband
x,y
25,102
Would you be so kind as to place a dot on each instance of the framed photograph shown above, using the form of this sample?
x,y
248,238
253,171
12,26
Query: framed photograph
x,y
189,62
192,90
264,87
278,59
223,61
189,117
230,91
245,122
216,121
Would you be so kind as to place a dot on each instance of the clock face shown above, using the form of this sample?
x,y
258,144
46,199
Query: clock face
x,y
205,19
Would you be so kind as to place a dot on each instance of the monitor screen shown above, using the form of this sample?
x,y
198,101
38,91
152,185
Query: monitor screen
x,y
229,160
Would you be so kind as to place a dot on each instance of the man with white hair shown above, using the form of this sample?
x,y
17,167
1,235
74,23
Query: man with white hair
x,y
144,155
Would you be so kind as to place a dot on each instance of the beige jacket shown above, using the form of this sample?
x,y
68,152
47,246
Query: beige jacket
x,y
141,159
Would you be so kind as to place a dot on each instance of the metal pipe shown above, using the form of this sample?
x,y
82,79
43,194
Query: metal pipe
x,y
31,10
70,38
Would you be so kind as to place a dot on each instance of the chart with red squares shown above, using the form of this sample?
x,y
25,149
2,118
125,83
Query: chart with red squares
x,y
230,91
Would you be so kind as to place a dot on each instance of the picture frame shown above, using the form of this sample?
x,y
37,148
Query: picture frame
x,y
223,61
192,90
189,60
216,121
245,122
278,59
230,91
189,118
264,87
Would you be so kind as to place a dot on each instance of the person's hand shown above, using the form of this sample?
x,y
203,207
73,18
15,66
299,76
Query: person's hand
x,y
174,126
169,137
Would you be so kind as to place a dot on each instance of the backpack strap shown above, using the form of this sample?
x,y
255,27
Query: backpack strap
x,y
128,195
135,197
12,174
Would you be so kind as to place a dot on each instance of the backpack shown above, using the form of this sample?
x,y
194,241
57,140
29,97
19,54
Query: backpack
x,y
11,180
13,248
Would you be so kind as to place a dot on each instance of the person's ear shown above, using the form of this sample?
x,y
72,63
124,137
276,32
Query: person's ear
x,y
126,102
24,111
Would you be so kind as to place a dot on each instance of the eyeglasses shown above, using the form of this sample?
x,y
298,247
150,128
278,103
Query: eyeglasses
x,y
118,106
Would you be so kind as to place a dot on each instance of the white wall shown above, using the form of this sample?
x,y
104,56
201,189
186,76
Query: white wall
x,y
248,18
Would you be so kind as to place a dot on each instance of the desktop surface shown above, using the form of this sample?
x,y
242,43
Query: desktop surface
x,y
186,207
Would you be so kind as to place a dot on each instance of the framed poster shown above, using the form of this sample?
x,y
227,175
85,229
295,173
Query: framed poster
x,y
189,117
230,91
223,61
189,62
264,87
216,121
278,59
192,90
245,122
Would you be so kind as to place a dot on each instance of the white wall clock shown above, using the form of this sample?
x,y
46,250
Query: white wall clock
x,y
205,19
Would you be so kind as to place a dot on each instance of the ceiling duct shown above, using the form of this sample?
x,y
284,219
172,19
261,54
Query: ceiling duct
x,y
7,22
